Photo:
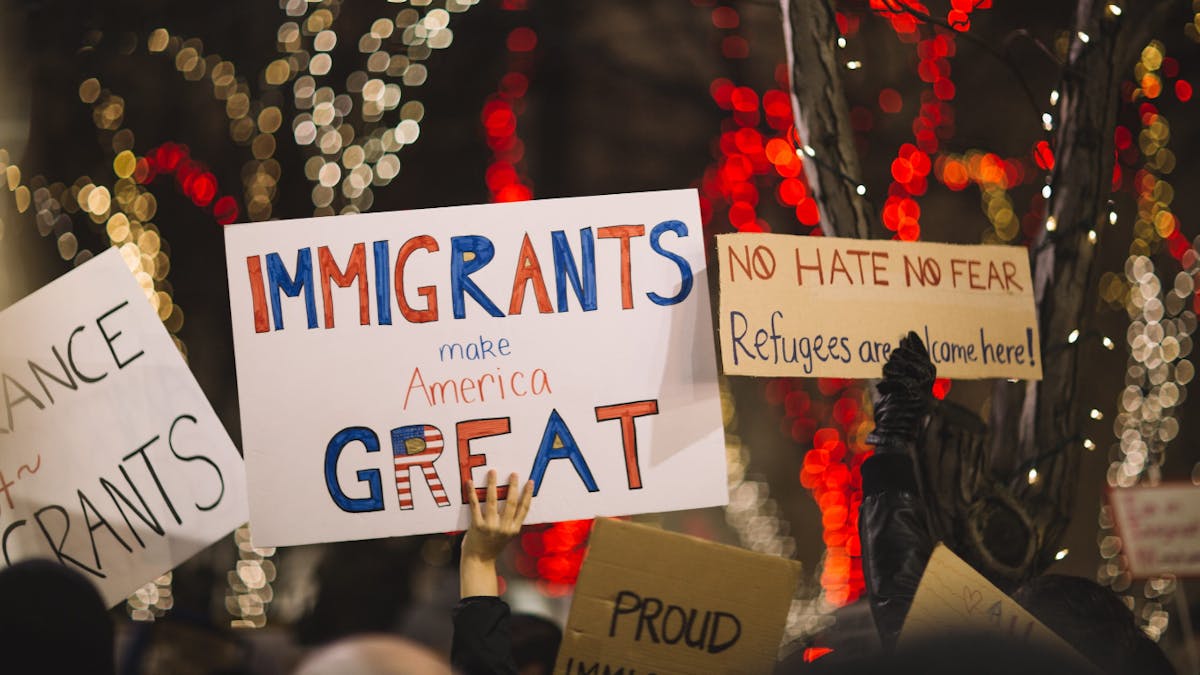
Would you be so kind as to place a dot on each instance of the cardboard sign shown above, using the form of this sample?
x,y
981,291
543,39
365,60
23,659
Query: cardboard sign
x,y
385,359
1159,528
111,460
650,601
952,598
796,306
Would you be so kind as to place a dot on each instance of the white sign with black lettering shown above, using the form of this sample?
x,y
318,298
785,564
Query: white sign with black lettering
x,y
112,462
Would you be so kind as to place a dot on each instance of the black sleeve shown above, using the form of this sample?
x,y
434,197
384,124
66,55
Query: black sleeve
x,y
896,543
482,644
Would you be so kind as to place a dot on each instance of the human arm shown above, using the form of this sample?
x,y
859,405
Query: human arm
x,y
482,643
490,531
893,523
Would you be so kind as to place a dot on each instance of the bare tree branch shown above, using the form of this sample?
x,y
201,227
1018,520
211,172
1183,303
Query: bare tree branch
x,y
1102,54
822,117
973,476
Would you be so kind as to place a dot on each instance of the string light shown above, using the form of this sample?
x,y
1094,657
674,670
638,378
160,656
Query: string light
x,y
1159,336
1047,121
1033,476
250,583
152,600
853,65
1054,97
861,190
753,160
506,176
1089,444
1061,554
124,212
1051,224
1114,9
1045,192
1096,414
354,131
1083,37
1073,336
995,176
754,516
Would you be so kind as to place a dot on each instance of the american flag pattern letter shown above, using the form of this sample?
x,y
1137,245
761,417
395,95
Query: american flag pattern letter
x,y
413,446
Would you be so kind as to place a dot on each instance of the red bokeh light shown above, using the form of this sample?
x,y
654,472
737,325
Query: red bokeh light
x,y
941,387
725,18
521,40
744,99
1183,90
807,212
225,210
735,47
193,179
890,101
811,654
1043,156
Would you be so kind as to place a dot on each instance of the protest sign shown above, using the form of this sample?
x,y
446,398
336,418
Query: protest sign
x,y
953,598
385,359
1159,528
650,601
826,307
112,462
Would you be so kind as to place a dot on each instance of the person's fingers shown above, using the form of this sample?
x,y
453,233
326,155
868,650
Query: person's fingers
x,y
473,501
524,503
915,343
510,508
492,508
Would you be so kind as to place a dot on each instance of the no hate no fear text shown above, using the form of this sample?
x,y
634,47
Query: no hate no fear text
x,y
862,267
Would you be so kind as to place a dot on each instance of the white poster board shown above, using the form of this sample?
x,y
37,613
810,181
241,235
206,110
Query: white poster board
x,y
795,306
1159,528
953,598
384,359
112,461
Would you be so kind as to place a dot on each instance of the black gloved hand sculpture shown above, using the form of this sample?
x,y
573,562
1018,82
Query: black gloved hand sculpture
x,y
906,396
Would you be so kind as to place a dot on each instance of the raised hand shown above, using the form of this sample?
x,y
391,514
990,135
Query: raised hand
x,y
906,396
492,527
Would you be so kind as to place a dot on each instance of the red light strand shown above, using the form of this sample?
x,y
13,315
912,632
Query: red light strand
x,y
192,177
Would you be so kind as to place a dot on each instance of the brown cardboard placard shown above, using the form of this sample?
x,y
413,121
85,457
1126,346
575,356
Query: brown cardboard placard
x,y
795,306
952,598
651,601
1159,527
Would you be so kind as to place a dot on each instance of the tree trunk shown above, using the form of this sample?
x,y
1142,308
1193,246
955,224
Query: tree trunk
x,y
822,117
1002,524
1048,432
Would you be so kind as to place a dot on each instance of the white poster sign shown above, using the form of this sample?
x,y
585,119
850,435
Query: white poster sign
x,y
1159,528
385,359
112,461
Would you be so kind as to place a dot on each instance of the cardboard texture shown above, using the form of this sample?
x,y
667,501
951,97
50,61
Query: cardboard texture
x,y
385,359
795,306
952,598
1159,528
649,601
112,461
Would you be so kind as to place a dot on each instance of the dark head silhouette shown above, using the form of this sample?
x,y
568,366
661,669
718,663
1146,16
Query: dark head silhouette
x,y
52,620
1095,621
